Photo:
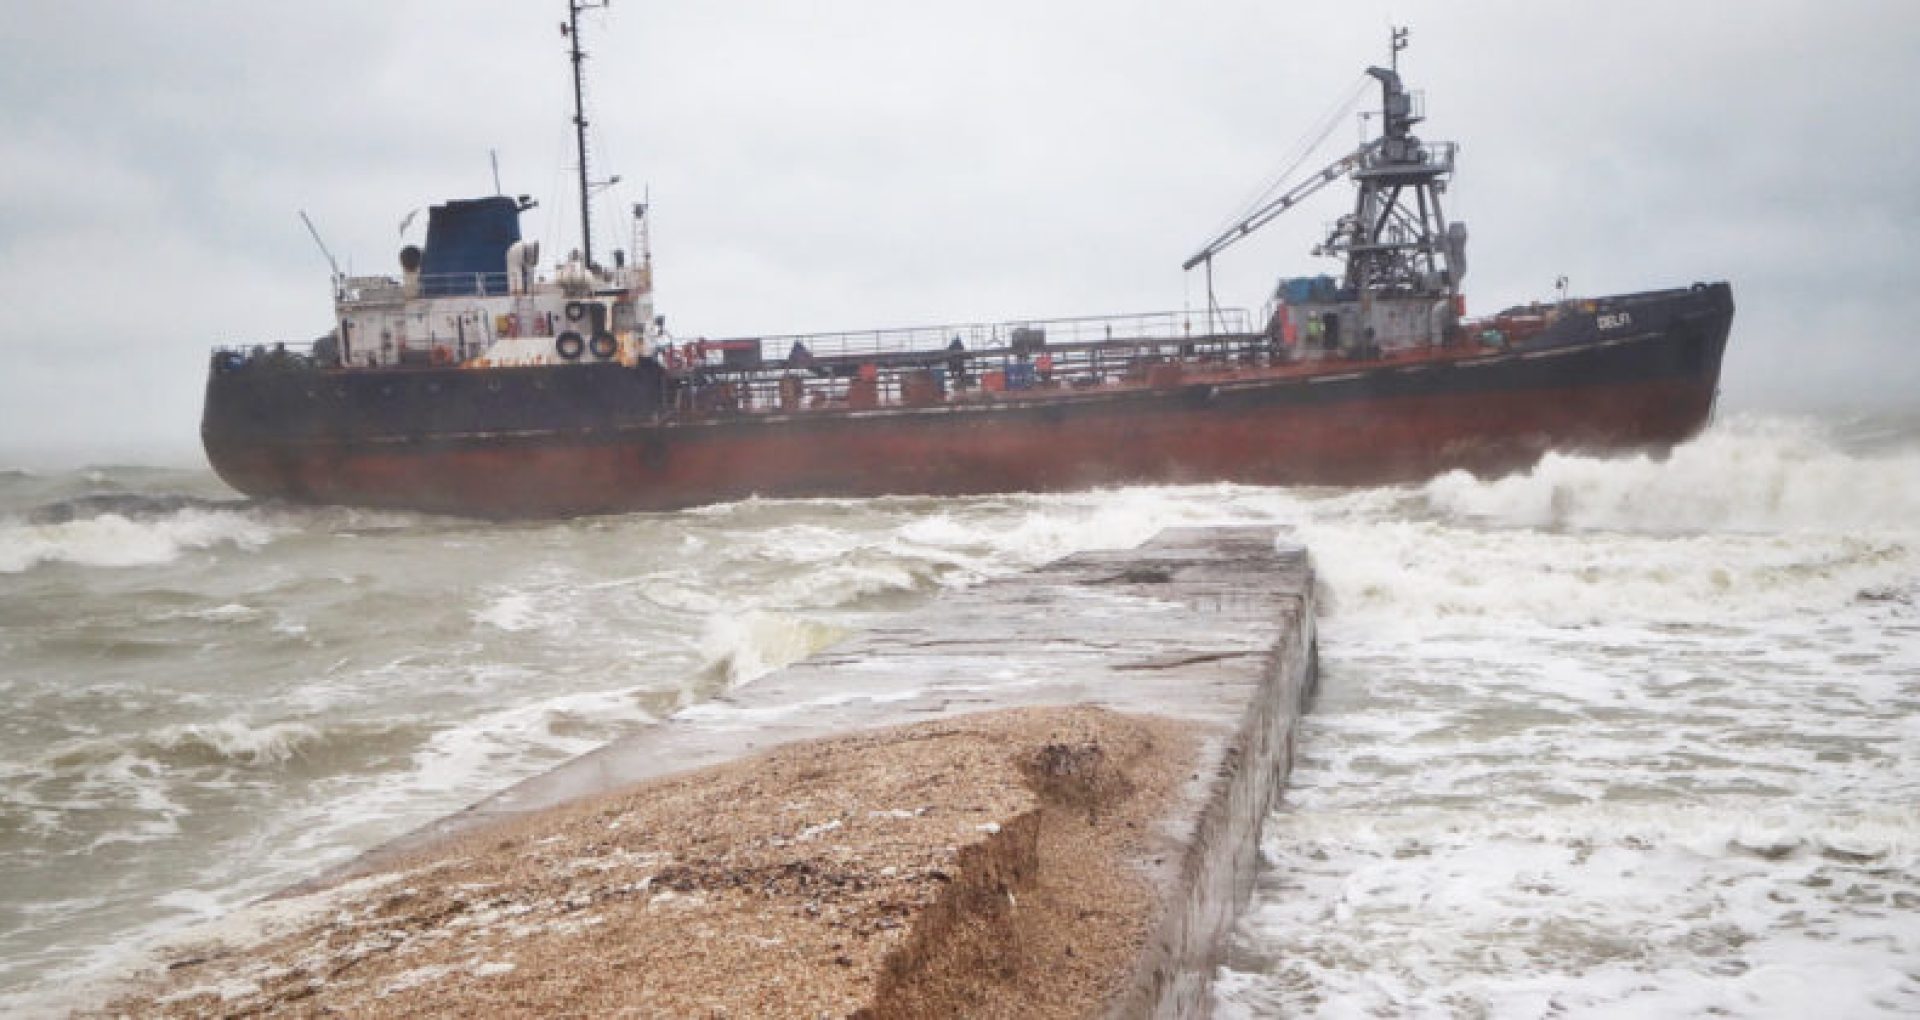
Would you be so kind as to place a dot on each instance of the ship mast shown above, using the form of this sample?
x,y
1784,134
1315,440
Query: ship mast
x,y
571,29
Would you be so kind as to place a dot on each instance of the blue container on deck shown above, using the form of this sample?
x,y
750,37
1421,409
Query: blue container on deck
x,y
1020,376
1304,289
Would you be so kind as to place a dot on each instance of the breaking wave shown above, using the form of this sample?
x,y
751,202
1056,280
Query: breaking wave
x,y
1422,571
232,742
136,506
1753,475
741,649
117,538
476,756
1754,518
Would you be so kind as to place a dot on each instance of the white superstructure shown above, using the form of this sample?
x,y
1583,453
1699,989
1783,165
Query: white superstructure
x,y
513,317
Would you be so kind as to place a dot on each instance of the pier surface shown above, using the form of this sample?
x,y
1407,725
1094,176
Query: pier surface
x,y
1038,796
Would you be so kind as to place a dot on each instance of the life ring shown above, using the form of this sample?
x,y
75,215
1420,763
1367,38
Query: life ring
x,y
603,345
576,310
512,323
569,345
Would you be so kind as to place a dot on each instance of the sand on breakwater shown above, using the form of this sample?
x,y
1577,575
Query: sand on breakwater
x,y
986,865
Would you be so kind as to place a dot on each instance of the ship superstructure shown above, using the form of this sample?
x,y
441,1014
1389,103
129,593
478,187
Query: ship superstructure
x,y
473,297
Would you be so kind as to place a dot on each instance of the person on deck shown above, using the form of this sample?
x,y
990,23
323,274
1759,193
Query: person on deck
x,y
957,363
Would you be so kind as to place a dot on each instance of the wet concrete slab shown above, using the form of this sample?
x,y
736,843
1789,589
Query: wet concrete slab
x,y
1209,627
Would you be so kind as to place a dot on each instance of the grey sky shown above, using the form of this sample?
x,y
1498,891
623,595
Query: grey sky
x,y
865,163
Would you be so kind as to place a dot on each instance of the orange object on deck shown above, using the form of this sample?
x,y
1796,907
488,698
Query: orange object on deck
x,y
920,389
1165,376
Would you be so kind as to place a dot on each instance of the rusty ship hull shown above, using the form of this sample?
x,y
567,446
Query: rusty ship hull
x,y
607,438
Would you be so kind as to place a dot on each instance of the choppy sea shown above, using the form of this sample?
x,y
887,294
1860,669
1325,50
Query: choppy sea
x,y
1610,737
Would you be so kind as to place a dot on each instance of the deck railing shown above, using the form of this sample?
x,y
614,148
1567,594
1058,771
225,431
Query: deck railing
x,y
456,284
993,336
898,368
1082,350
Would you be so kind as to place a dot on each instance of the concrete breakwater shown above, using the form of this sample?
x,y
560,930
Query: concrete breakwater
x,y
1039,796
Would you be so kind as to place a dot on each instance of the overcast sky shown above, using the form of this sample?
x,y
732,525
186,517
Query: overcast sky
x,y
867,163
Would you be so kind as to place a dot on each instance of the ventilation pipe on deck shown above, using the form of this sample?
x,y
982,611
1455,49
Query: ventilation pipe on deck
x,y
410,258
1441,322
523,257
1457,251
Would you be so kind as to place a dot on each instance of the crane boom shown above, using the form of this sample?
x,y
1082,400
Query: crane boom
x,y
1266,213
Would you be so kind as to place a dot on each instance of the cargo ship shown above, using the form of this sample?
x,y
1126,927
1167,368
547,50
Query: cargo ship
x,y
476,383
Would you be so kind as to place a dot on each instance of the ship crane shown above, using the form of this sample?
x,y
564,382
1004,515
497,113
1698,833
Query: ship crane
x,y
1267,214
1272,210
1397,241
